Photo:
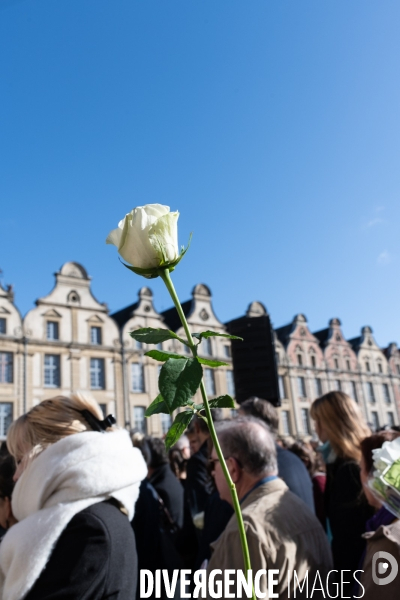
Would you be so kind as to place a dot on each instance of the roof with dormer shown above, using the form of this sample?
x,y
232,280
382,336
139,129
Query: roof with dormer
x,y
144,305
322,335
284,332
199,307
171,316
123,315
355,342
366,338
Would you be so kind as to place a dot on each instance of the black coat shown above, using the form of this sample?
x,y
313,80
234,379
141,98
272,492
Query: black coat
x,y
170,491
199,484
347,511
94,559
294,473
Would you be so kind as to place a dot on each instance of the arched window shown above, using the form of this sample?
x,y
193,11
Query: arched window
x,y
299,355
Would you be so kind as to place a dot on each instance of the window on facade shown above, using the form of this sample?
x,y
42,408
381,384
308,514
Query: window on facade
x,y
390,419
375,420
348,365
353,390
52,370
386,393
337,385
206,347
52,330
139,420
234,413
380,368
227,352
209,381
336,363
305,420
137,377
367,367
166,423
313,361
97,373
6,417
95,336
6,367
318,387
230,383
3,325
103,408
398,369
301,387
300,360
282,391
285,417
370,392
159,346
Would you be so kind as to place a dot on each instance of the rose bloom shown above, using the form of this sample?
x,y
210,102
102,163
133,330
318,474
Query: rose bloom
x,y
147,237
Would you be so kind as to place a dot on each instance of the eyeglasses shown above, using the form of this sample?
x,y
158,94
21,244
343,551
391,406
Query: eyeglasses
x,y
211,463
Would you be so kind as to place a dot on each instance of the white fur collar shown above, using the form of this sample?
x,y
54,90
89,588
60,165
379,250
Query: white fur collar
x,y
67,477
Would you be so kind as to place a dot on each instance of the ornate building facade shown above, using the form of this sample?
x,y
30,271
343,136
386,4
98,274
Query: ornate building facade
x,y
69,342
312,364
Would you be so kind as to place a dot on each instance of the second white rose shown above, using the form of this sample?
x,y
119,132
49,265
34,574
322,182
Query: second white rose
x,y
147,237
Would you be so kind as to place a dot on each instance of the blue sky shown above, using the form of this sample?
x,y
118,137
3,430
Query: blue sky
x,y
272,126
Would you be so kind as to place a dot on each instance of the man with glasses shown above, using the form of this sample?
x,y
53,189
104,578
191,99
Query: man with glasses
x,y
282,532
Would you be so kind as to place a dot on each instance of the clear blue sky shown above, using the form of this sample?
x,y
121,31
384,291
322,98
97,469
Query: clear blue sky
x,y
273,126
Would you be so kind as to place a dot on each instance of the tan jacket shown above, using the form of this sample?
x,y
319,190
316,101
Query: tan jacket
x,y
282,533
387,539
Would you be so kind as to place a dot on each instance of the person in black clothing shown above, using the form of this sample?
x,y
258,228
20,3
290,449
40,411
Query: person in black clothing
x,y
202,499
341,428
199,483
7,471
158,512
77,479
163,480
290,467
95,557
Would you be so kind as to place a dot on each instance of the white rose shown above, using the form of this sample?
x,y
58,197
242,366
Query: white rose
x,y
147,237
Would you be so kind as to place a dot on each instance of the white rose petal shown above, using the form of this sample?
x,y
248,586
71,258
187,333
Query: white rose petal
x,y
147,237
163,236
387,455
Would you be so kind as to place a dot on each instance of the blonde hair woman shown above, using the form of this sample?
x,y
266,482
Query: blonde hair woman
x,y
341,428
77,481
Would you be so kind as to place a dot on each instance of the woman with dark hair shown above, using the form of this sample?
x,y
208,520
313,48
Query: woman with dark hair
x,y
340,427
77,481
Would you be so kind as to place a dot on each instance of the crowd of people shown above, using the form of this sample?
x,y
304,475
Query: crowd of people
x,y
84,505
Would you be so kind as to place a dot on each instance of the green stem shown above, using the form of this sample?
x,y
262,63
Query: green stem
x,y
166,277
